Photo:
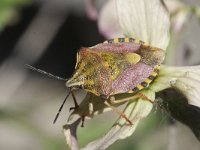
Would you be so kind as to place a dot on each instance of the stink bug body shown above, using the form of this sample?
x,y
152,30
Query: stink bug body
x,y
120,65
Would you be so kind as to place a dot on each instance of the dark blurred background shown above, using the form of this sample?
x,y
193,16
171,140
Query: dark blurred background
x,y
64,27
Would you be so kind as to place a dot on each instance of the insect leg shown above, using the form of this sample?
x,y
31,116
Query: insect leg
x,y
90,105
82,121
118,101
75,102
138,95
118,112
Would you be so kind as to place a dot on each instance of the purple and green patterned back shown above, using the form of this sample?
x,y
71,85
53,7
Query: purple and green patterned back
x,y
113,67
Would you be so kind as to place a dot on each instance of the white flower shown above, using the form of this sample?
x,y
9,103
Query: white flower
x,y
147,20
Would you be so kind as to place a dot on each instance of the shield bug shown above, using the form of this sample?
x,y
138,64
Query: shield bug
x,y
120,65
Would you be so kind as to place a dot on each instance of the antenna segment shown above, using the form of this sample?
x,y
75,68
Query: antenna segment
x,y
44,72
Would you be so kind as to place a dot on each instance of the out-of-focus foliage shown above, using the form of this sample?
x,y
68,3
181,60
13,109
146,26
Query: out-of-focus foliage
x,y
8,11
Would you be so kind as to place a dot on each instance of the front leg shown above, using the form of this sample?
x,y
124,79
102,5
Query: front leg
x,y
75,102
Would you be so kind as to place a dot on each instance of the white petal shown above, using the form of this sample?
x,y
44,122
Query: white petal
x,y
190,88
147,20
185,79
70,134
135,111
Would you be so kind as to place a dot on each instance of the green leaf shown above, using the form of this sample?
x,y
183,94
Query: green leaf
x,y
8,10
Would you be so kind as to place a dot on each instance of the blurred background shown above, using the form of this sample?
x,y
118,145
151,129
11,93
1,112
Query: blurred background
x,y
47,34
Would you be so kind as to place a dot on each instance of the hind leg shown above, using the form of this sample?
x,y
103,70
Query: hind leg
x,y
136,96
118,112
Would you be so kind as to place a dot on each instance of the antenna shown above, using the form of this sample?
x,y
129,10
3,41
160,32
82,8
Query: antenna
x,y
44,72
61,107
54,77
